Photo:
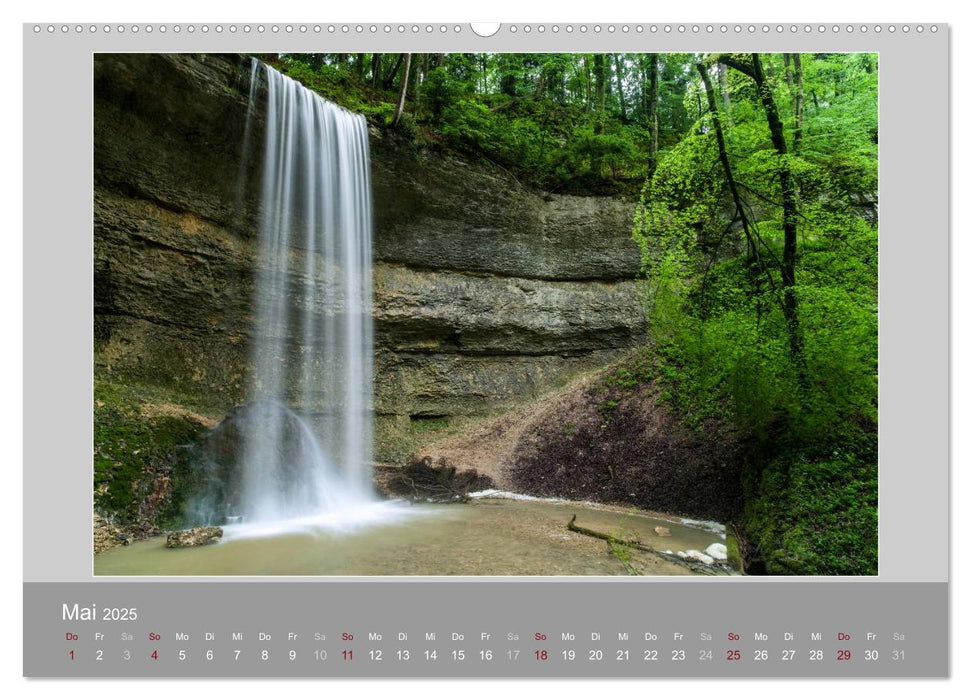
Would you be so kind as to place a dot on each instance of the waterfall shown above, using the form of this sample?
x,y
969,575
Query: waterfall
x,y
308,451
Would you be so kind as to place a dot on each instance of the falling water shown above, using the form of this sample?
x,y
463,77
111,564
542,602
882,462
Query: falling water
x,y
309,452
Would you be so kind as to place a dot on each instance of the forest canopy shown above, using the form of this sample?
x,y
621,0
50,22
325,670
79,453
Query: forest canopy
x,y
582,121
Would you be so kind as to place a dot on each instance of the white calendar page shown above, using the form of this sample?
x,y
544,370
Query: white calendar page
x,y
453,330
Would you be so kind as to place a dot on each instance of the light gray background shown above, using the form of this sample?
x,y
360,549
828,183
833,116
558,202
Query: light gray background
x,y
914,258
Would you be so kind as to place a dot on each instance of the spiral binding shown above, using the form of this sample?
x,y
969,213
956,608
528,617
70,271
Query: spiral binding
x,y
458,29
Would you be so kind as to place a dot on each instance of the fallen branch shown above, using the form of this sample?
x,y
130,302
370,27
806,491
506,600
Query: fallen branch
x,y
572,525
635,544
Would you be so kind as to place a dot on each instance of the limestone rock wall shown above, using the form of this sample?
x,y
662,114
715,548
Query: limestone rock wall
x,y
487,294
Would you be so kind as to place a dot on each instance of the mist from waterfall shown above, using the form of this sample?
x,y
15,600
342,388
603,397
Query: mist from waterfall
x,y
309,451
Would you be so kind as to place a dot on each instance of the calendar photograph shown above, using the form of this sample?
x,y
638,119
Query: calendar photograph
x,y
485,314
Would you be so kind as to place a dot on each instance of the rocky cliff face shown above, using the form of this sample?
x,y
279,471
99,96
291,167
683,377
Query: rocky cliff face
x,y
487,295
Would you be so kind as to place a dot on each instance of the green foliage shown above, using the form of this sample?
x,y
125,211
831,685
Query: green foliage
x,y
530,113
429,425
607,406
468,124
816,516
715,301
733,555
335,84
635,371
623,555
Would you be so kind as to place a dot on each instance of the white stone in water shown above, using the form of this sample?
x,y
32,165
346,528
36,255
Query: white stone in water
x,y
699,556
717,551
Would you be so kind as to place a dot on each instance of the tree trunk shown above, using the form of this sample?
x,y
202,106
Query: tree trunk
x,y
787,62
789,211
619,68
642,74
375,70
420,80
652,114
726,165
726,93
359,67
389,77
599,78
800,102
507,75
402,93
588,102
598,115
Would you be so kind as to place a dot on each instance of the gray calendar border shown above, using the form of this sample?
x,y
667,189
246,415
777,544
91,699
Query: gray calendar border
x,y
914,280
916,612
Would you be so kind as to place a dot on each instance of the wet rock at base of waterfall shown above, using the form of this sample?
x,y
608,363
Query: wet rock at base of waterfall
x,y
717,551
107,535
216,492
662,531
195,537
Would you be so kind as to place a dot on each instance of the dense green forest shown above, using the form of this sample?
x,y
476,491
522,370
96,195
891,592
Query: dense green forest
x,y
756,181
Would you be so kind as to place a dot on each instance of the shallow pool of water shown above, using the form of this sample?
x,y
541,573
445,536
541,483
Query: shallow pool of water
x,y
486,537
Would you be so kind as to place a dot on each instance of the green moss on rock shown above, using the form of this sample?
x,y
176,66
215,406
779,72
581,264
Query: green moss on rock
x,y
138,431
734,556
815,517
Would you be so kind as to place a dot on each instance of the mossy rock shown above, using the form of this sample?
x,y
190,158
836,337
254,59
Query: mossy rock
x,y
734,556
812,516
139,434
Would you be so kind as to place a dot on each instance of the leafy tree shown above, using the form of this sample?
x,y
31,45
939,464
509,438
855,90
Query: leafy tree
x,y
760,266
